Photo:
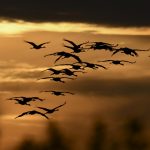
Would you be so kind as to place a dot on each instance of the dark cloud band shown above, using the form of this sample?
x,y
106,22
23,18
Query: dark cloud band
x,y
111,13
132,87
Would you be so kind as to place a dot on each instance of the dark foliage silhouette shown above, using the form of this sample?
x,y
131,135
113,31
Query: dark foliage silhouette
x,y
28,144
134,137
100,138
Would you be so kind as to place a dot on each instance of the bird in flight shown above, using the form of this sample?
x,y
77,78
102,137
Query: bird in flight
x,y
32,112
35,46
49,111
73,66
57,79
56,72
58,93
34,98
102,46
69,72
20,101
118,62
64,55
128,51
92,66
25,100
103,43
75,47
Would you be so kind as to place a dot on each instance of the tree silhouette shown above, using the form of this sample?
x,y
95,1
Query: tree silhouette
x,y
55,139
98,137
133,138
134,135
28,144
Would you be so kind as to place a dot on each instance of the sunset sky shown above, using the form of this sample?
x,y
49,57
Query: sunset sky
x,y
119,92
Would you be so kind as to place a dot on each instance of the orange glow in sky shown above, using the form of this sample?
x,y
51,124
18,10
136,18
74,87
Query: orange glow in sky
x,y
18,27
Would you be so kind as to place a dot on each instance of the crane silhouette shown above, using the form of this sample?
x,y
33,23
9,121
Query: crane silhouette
x,y
103,43
56,72
117,62
49,111
92,65
63,55
57,79
21,102
32,112
34,98
73,66
128,51
75,47
102,46
35,46
25,100
69,72
58,93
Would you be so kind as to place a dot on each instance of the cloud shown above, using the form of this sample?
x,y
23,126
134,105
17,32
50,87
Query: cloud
x,y
14,71
10,28
109,87
103,12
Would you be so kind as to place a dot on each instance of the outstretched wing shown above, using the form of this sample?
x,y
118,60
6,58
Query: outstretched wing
x,y
128,61
25,113
69,93
70,42
37,98
76,57
101,66
116,51
142,49
46,91
83,43
105,60
31,43
43,108
15,99
68,78
44,78
42,114
101,43
58,59
135,53
69,47
50,54
43,43
60,105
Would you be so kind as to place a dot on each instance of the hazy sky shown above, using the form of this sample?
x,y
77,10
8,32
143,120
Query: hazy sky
x,y
118,92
